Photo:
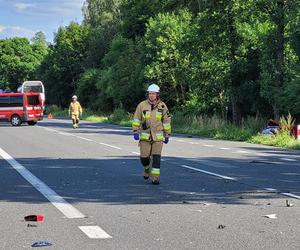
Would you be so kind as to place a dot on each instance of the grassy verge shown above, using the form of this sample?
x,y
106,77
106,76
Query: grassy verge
x,y
282,140
87,115
211,127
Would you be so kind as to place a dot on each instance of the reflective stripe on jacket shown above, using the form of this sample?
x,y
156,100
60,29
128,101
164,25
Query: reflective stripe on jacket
x,y
153,122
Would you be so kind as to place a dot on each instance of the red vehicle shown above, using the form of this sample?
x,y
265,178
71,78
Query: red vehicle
x,y
21,107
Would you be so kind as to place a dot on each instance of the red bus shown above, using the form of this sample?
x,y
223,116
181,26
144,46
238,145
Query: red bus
x,y
21,107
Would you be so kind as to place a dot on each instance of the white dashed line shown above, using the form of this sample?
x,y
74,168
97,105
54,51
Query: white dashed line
x,y
60,203
82,138
288,159
85,139
208,145
209,173
242,152
234,179
107,145
224,148
66,134
95,232
135,153
291,195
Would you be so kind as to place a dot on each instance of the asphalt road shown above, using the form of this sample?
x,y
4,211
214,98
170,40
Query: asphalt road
x,y
88,184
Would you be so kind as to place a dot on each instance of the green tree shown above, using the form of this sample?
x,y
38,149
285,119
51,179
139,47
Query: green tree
x,y
122,81
170,66
19,61
39,39
278,56
64,63
102,17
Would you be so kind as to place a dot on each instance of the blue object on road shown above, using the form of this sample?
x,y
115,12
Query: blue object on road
x,y
136,137
42,243
166,140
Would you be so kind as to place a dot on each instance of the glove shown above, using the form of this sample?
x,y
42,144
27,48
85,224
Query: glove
x,y
136,137
166,140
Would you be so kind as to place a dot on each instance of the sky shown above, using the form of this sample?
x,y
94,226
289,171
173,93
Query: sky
x,y
23,18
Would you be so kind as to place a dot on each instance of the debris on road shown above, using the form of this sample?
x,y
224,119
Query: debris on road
x,y
34,217
221,226
271,216
42,243
288,204
31,225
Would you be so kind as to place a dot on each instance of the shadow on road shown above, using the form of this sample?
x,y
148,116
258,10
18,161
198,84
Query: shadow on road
x,y
119,181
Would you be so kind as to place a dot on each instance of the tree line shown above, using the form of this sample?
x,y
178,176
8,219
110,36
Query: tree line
x,y
232,58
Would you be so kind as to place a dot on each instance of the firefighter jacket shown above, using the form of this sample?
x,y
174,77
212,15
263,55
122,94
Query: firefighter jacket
x,y
152,121
75,108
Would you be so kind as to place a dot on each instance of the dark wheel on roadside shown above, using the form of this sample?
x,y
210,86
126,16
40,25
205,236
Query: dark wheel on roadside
x,y
16,120
31,123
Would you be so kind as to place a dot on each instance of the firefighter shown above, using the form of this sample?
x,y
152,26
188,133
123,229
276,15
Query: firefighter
x,y
75,111
152,128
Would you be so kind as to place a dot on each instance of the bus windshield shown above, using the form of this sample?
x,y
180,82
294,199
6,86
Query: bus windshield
x,y
34,89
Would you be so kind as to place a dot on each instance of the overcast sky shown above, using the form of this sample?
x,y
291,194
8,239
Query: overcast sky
x,y
23,18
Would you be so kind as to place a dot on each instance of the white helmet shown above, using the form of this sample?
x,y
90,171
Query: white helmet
x,y
74,97
153,88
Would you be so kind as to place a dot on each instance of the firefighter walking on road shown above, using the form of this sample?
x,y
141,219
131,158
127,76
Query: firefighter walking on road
x,y
152,128
75,111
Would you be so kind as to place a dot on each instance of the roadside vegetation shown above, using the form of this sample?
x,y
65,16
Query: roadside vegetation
x,y
210,127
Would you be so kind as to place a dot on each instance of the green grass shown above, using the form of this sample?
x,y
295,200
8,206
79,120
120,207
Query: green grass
x,y
211,127
86,116
215,127
283,140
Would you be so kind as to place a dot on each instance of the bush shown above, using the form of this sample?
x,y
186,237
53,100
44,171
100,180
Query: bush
x,y
120,116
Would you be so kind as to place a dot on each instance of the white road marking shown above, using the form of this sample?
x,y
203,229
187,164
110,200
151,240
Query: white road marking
x,y
234,179
288,159
208,145
225,148
180,140
60,203
291,195
107,145
95,232
66,134
209,173
49,129
85,139
135,153
262,154
243,152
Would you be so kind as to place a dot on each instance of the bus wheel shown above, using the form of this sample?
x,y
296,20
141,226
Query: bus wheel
x,y
31,123
16,120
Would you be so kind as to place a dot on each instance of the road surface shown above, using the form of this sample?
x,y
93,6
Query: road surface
x,y
88,184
